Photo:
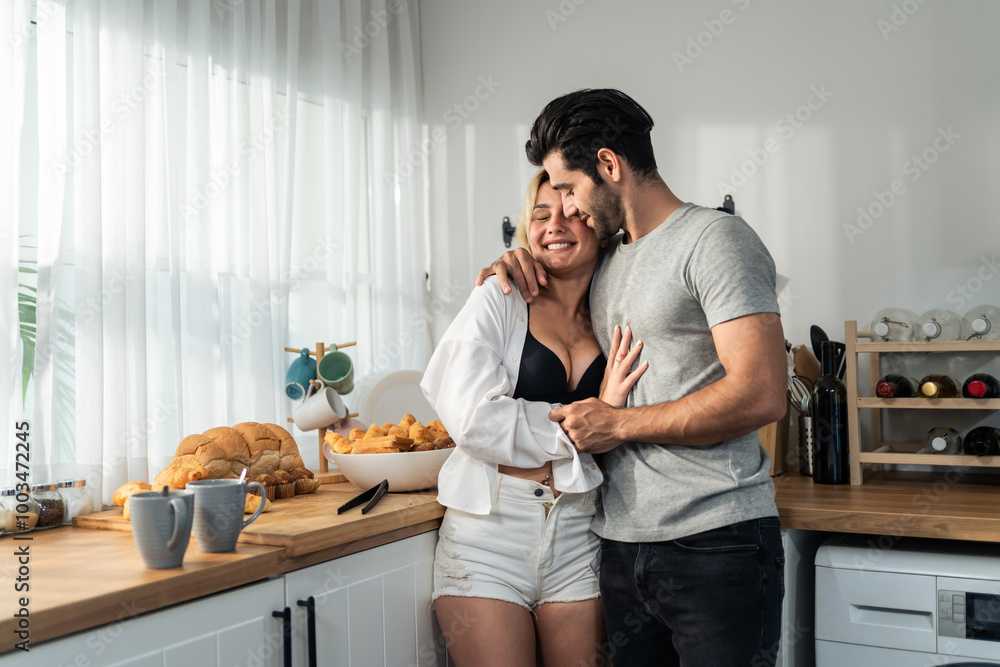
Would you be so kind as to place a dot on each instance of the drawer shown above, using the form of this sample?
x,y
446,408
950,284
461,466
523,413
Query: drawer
x,y
882,609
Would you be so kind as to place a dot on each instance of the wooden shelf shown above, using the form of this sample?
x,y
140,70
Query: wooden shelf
x,y
902,453
948,346
931,403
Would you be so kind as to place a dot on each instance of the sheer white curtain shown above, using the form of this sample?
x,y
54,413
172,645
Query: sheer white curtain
x,y
167,139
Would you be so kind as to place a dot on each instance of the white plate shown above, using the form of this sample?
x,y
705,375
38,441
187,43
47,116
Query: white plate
x,y
386,397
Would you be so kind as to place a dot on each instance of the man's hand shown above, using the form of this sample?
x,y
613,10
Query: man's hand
x,y
591,424
518,264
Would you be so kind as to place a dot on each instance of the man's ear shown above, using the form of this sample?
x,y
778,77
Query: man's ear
x,y
609,165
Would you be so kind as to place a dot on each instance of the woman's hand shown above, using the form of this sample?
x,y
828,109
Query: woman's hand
x,y
618,381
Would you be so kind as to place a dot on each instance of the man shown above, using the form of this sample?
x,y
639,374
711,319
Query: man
x,y
691,560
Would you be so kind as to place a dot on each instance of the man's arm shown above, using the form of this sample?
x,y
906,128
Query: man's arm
x,y
752,394
517,265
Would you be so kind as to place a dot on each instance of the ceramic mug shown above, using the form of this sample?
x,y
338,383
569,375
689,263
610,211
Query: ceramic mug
x,y
218,512
336,370
299,373
161,526
322,407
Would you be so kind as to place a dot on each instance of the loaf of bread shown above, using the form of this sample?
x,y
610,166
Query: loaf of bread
x,y
260,448
128,489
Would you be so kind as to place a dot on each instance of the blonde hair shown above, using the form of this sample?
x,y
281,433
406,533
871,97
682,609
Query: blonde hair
x,y
521,232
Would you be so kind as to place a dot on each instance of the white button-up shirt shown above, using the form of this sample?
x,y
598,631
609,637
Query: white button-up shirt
x,y
470,381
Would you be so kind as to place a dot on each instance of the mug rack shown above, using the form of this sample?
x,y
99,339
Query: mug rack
x,y
321,349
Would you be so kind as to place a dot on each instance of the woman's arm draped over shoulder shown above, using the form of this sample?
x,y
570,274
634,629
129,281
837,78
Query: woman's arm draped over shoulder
x,y
468,387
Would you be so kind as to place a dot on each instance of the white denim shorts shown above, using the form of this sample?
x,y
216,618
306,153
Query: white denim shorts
x,y
529,550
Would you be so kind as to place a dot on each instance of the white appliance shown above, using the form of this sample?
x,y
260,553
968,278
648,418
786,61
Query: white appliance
x,y
905,602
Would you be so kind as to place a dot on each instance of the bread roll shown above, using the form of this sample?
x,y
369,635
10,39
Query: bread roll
x,y
356,434
251,503
407,421
437,429
374,431
128,489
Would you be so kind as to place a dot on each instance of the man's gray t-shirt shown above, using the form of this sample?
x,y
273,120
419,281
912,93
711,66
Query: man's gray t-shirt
x,y
699,268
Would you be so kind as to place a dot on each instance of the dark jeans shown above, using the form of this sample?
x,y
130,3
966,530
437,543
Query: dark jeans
x,y
707,600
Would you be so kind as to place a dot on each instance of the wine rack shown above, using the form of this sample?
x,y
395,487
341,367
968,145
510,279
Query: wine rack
x,y
884,451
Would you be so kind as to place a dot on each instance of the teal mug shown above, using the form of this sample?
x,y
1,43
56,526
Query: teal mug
x,y
299,373
336,370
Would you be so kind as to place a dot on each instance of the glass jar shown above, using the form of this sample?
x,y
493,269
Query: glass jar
x,y
22,511
76,499
51,507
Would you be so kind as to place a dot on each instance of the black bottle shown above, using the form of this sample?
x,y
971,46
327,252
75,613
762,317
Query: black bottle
x,y
895,386
982,441
981,385
831,464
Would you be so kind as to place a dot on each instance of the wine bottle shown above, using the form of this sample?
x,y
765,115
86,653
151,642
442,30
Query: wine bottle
x,y
981,323
829,415
983,441
939,325
981,385
943,440
892,325
896,386
937,385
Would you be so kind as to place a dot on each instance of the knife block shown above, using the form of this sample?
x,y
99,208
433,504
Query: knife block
x,y
774,439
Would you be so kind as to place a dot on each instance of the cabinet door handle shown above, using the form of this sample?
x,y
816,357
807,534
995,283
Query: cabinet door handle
x,y
286,634
310,605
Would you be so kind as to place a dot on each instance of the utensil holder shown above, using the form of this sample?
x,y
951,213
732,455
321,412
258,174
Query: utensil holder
x,y
807,446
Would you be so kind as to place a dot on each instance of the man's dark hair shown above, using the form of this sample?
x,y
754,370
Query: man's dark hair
x,y
581,123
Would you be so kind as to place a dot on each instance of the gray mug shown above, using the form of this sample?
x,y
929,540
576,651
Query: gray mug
x,y
218,512
161,526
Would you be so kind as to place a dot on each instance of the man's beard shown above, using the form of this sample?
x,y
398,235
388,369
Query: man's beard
x,y
607,214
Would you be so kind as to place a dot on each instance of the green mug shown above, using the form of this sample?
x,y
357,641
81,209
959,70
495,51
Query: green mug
x,y
336,370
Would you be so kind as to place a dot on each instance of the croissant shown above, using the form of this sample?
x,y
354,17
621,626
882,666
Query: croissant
x,y
177,476
126,490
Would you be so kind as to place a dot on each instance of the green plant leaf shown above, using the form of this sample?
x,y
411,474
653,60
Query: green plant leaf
x,y
27,368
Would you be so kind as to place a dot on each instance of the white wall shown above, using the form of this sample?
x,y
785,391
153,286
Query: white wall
x,y
891,92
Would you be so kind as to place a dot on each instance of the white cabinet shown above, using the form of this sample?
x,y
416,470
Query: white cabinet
x,y
233,628
371,608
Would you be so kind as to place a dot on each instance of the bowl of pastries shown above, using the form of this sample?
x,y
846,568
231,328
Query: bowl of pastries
x,y
408,454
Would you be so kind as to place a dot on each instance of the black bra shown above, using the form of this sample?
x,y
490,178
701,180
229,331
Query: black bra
x,y
542,376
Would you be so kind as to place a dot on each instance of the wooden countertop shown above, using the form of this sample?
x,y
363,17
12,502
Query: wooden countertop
x,y
82,578
951,505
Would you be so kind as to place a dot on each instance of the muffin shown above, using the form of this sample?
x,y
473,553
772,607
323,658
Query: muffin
x,y
270,485
284,484
304,481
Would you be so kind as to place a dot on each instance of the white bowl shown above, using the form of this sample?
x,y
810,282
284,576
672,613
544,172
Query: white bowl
x,y
406,471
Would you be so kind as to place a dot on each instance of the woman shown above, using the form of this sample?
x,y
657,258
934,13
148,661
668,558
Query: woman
x,y
513,570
